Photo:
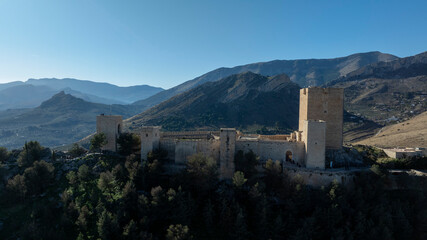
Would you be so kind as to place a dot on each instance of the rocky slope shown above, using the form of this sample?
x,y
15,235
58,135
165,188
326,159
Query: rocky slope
x,y
241,100
411,133
387,91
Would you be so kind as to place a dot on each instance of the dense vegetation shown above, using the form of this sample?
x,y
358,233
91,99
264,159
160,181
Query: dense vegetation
x,y
110,196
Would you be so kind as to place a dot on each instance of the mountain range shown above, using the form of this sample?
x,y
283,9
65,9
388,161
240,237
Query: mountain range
x,y
304,72
34,91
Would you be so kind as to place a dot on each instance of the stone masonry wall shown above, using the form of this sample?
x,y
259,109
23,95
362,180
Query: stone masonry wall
x,y
274,150
186,148
168,144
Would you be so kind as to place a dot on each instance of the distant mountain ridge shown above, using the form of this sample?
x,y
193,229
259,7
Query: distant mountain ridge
x,y
24,96
103,90
33,92
304,72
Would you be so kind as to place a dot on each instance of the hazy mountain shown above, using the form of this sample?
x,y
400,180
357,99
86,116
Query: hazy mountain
x,y
90,97
24,96
30,96
101,90
10,84
246,100
33,92
387,91
305,72
63,119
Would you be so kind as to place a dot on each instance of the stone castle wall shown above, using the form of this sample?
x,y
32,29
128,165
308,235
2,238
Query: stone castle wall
x,y
186,148
274,150
274,137
190,134
169,145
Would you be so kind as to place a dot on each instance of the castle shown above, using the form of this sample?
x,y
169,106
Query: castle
x,y
320,128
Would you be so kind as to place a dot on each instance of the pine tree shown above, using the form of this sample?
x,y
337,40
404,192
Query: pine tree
x,y
240,230
104,225
208,216
130,231
278,229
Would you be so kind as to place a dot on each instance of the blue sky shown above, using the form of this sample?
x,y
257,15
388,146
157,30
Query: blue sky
x,y
164,43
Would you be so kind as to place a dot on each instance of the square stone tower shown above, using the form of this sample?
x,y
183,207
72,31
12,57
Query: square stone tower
x,y
325,104
227,148
313,135
150,139
111,126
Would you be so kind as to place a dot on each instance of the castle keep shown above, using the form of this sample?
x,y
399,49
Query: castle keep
x,y
325,104
320,128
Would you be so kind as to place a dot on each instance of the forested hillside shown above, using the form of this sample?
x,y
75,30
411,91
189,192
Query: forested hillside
x,y
101,196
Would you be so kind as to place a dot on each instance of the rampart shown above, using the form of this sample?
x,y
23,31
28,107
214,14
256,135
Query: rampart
x,y
185,148
190,135
273,149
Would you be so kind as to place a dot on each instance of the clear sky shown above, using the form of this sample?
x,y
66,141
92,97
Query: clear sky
x,y
164,43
